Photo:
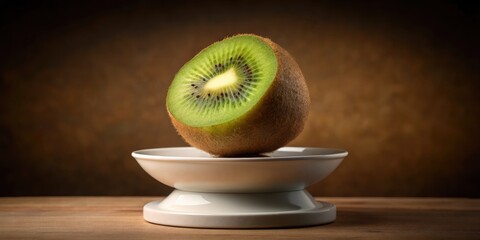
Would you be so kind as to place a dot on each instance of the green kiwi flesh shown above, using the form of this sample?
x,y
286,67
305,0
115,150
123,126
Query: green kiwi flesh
x,y
222,82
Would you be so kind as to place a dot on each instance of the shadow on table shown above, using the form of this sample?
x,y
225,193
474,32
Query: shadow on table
x,y
351,218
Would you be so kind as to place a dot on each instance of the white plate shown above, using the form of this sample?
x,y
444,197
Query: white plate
x,y
237,210
287,169
244,192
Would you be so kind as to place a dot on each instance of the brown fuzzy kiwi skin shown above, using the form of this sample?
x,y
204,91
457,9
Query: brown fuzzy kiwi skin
x,y
276,119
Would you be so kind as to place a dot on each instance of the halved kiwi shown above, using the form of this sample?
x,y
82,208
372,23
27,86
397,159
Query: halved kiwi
x,y
240,96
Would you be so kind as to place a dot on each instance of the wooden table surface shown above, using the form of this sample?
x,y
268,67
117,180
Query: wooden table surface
x,y
121,218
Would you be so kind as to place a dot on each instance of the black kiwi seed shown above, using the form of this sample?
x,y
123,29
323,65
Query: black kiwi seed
x,y
193,93
209,95
193,85
198,96
203,79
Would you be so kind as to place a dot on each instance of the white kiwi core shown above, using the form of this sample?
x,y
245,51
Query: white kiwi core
x,y
222,81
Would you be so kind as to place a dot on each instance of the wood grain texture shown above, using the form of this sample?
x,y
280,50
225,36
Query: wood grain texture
x,y
121,218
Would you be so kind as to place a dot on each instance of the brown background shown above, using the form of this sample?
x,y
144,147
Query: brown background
x,y
84,84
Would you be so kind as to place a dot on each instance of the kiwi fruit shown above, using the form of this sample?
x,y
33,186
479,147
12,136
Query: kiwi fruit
x,y
243,95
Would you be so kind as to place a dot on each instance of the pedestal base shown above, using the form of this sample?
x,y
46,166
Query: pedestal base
x,y
239,210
